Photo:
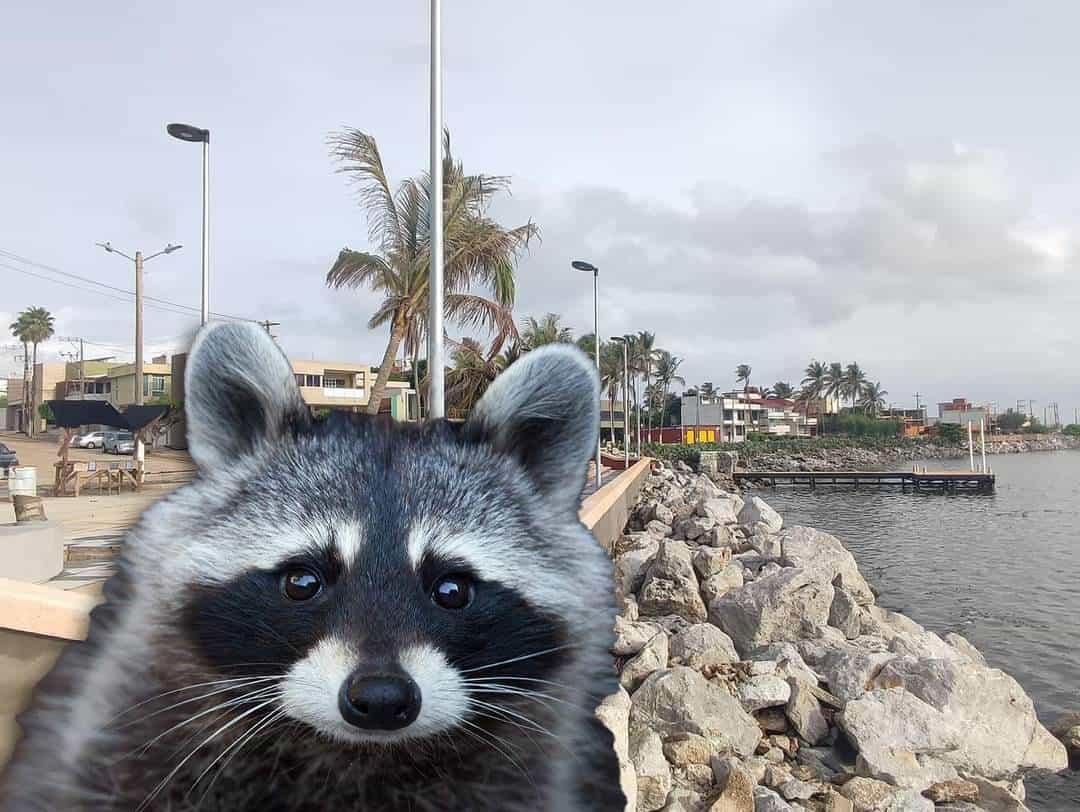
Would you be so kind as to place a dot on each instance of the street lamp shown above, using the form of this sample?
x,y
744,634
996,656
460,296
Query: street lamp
x,y
626,400
435,367
139,260
588,267
186,132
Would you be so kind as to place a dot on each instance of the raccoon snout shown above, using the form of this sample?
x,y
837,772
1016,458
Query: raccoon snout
x,y
379,701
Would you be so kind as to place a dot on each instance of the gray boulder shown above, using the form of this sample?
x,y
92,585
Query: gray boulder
x,y
651,768
736,785
804,712
731,577
721,509
630,567
614,714
765,691
670,586
788,606
710,561
766,545
823,554
702,645
631,636
966,648
756,512
845,613
870,795
765,800
681,700
653,656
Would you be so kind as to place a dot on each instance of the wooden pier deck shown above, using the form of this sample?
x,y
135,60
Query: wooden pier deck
x,y
916,481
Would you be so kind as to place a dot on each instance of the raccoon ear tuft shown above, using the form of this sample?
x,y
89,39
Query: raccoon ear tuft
x,y
544,410
239,394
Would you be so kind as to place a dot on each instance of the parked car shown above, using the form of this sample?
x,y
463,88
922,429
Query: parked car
x,y
119,442
8,459
92,439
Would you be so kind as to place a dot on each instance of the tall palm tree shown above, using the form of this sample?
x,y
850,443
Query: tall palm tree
x,y
667,373
471,373
587,344
835,380
854,381
511,353
477,250
611,377
646,356
536,333
742,374
35,325
815,381
20,329
783,389
873,397
707,390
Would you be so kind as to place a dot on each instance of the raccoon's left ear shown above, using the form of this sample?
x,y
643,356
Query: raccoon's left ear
x,y
544,410
239,394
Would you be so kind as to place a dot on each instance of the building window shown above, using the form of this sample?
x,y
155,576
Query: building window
x,y
153,385
334,383
313,380
299,379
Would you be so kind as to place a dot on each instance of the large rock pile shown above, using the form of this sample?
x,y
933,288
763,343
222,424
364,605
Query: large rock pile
x,y
758,674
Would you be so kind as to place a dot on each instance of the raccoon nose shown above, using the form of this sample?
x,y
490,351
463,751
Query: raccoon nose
x,y
379,701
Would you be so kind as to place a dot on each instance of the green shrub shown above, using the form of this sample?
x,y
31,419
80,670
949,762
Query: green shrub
x,y
861,425
690,454
1072,430
950,432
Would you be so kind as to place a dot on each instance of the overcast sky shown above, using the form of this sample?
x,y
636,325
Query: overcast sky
x,y
759,183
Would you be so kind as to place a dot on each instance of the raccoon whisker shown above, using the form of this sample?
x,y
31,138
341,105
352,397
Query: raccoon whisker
x,y
493,742
536,696
522,679
186,688
266,721
253,696
531,723
518,659
244,684
165,781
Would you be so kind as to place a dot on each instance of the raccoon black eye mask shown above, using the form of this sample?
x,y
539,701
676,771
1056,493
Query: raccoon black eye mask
x,y
350,613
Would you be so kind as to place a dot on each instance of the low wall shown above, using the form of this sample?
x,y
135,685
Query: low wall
x,y
606,511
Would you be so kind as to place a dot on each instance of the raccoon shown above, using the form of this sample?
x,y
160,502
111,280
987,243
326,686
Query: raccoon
x,y
347,613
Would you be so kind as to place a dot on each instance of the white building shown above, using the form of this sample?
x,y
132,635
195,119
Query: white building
x,y
733,415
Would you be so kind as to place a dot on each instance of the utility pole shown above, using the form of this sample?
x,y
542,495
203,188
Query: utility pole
x,y
138,329
82,371
266,325
918,401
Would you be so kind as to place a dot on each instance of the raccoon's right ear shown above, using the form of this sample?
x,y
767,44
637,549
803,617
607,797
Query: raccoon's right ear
x,y
544,410
239,394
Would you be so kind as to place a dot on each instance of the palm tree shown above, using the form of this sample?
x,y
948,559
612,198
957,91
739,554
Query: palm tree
x,y
33,326
20,328
742,373
611,376
707,391
471,373
646,356
667,373
854,381
587,344
873,397
477,250
545,331
835,380
512,352
783,389
816,380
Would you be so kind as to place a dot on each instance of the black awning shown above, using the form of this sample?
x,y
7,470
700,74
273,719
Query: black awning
x,y
139,416
70,414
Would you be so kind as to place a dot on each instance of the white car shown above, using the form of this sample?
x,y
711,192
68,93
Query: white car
x,y
93,439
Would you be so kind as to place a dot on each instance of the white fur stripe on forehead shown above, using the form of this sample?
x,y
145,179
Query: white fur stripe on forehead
x,y
492,557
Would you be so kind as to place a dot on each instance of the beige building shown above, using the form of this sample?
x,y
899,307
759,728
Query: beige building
x,y
157,380
333,385
48,385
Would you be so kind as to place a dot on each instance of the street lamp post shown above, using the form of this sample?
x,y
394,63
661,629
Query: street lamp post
x,y
436,383
139,261
588,267
626,400
187,132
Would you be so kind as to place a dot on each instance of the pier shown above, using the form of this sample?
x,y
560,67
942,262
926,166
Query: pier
x,y
920,481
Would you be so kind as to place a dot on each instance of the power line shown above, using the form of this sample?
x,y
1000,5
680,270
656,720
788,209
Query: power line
x,y
26,261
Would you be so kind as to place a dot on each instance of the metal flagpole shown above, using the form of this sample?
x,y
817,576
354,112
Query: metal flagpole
x,y
436,402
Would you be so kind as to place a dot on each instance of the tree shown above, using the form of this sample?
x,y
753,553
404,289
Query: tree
x,y
816,380
707,391
646,362
1012,420
477,250
471,373
611,377
32,326
587,344
20,328
742,375
667,373
545,331
872,398
782,389
854,381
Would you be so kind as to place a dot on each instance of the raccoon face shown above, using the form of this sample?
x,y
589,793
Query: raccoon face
x,y
381,582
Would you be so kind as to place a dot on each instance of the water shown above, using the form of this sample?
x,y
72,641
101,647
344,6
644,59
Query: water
x,y
1002,570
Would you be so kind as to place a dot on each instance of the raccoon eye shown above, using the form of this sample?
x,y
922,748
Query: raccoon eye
x,y
300,584
453,591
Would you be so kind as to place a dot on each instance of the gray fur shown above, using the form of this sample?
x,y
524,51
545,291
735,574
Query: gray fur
x,y
257,500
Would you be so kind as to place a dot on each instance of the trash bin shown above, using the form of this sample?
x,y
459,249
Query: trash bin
x,y
22,485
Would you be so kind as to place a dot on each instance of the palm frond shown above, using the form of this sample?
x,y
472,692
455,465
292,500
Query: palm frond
x,y
358,154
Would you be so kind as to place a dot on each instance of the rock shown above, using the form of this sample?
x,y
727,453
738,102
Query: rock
x,y
964,647
687,748
775,775
804,712
719,536
614,713
869,795
900,738
653,656
770,568
721,509
824,761
789,606
682,800
787,744
772,720
849,671
697,526
835,802
951,791
702,645
1005,740
756,511
766,545
664,515
631,636
775,755
695,777
796,790
845,613
824,555
1067,730
765,800
681,700
789,663
628,608
710,561
756,766
997,796
658,529
653,772
731,577
765,691
630,567
736,786
670,586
